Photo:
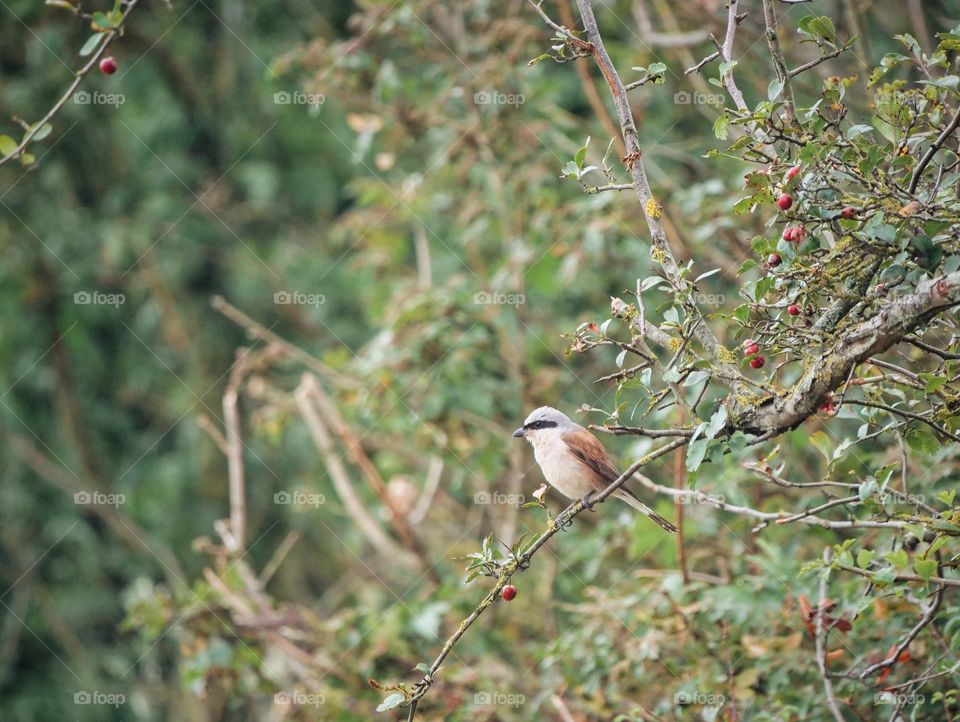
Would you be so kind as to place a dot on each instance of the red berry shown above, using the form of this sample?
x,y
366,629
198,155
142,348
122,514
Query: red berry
x,y
509,592
848,212
793,309
792,173
784,201
757,362
774,260
751,350
108,66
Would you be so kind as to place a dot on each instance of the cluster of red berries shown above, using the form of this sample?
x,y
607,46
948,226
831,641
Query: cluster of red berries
x,y
752,348
794,234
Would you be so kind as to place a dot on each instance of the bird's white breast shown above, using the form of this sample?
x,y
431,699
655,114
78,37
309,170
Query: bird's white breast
x,y
560,468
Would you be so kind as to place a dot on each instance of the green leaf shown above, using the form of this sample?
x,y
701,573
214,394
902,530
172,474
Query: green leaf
x,y
657,68
90,45
581,154
43,132
822,444
394,700
717,422
899,559
926,568
650,282
7,145
921,440
774,89
727,67
865,557
720,126
933,382
695,453
819,26
947,496
855,130
423,667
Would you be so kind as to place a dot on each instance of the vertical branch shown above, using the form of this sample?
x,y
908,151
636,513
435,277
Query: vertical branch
x,y
370,472
779,64
234,451
821,643
726,52
652,210
341,479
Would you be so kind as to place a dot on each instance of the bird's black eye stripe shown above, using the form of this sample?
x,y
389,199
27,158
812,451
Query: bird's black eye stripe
x,y
540,424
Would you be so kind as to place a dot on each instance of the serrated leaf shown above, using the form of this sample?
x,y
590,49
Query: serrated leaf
x,y
720,126
925,568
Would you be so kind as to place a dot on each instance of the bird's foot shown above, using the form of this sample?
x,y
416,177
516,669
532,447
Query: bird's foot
x,y
586,502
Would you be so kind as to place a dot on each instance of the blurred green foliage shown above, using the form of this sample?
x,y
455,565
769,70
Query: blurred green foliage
x,y
399,164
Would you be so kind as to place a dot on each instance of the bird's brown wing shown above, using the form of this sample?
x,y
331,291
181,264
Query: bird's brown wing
x,y
590,452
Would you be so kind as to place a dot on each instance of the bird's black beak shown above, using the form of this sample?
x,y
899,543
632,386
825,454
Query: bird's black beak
x,y
519,433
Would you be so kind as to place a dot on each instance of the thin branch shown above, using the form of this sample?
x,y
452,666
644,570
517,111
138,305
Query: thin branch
x,y
639,431
109,37
928,614
821,642
519,564
257,330
942,581
932,151
341,479
765,516
696,68
779,64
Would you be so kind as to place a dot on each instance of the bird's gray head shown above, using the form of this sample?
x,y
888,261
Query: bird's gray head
x,y
546,418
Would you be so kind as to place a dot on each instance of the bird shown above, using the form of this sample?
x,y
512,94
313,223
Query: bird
x,y
574,462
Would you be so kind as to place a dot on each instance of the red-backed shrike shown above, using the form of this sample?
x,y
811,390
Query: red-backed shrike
x,y
574,462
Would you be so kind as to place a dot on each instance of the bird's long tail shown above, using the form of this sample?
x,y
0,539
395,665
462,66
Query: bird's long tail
x,y
628,496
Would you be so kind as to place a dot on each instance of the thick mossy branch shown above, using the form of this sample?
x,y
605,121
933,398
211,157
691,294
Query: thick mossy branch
x,y
830,367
